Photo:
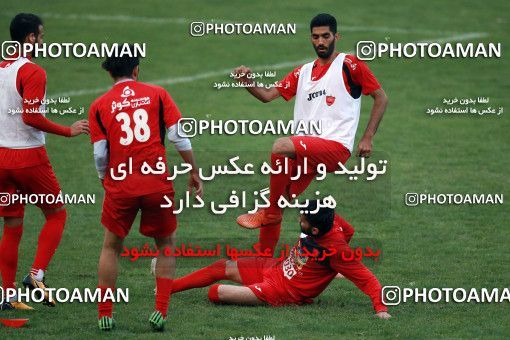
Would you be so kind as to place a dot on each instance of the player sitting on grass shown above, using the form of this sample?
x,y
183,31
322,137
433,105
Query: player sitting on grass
x,y
302,276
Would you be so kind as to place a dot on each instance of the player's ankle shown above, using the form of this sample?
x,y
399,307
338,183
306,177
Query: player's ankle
x,y
37,273
213,294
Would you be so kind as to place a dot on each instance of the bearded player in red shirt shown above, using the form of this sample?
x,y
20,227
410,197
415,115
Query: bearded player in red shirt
x,y
128,127
328,90
300,277
24,164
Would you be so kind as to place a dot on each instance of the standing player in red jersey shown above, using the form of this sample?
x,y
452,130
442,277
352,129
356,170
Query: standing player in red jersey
x,y
24,164
128,125
327,90
302,276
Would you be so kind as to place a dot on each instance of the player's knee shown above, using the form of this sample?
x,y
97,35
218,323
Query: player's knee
x,y
283,146
13,222
112,242
56,213
230,269
167,241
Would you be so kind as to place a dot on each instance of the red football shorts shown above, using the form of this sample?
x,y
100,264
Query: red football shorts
x,y
316,150
38,179
257,274
119,214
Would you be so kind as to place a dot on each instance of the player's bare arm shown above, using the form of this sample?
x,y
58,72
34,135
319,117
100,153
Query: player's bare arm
x,y
194,181
80,127
261,93
380,103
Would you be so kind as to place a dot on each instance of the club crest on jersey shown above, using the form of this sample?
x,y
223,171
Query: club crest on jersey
x,y
330,100
317,94
127,92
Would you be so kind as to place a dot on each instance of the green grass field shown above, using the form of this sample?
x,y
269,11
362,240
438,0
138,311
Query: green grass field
x,y
425,246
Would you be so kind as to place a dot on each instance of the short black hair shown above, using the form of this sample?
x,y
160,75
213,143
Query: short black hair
x,y
121,66
322,219
23,24
324,19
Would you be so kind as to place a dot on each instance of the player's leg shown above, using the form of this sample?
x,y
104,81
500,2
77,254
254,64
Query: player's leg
x,y
41,180
117,218
238,295
160,224
48,242
220,270
9,249
269,237
164,272
107,276
11,237
317,151
283,152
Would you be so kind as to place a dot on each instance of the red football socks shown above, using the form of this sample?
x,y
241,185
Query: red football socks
x,y
269,236
278,183
104,308
202,278
163,293
9,254
213,294
49,239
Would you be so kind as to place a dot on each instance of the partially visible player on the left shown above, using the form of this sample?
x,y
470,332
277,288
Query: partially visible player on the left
x,y
24,164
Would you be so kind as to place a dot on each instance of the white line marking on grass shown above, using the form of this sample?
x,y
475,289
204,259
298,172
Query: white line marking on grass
x,y
224,72
186,79
458,37
169,20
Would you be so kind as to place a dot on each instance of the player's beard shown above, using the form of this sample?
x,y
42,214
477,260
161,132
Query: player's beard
x,y
327,53
306,231
33,54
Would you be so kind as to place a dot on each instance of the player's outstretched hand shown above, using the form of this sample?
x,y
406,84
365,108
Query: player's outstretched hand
x,y
79,127
242,73
195,183
383,315
364,147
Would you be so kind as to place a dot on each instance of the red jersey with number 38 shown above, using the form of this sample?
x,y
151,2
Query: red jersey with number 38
x,y
133,118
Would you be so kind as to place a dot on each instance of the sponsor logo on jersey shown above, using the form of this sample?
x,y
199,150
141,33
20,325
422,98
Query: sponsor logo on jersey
x,y
330,100
317,94
127,92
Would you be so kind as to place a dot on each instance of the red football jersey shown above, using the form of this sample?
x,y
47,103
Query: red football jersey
x,y
133,118
301,278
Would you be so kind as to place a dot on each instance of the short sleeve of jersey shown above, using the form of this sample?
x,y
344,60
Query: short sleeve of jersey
x,y
31,84
97,131
171,113
288,85
361,74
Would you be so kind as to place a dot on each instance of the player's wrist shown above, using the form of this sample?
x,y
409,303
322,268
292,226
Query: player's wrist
x,y
368,136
